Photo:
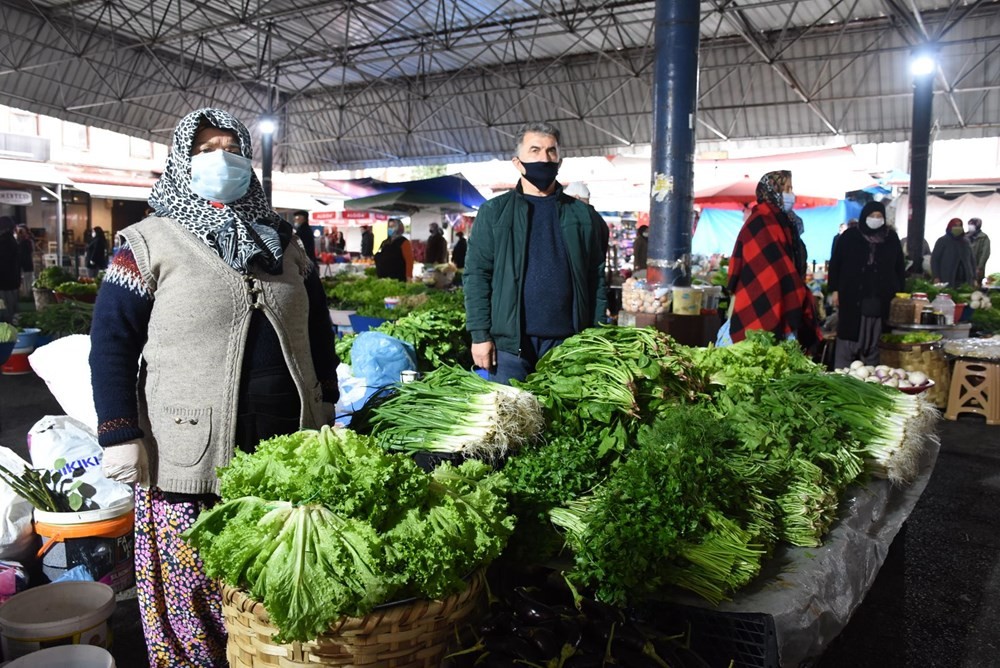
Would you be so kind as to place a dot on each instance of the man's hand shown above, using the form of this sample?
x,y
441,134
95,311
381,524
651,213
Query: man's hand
x,y
126,462
835,299
484,355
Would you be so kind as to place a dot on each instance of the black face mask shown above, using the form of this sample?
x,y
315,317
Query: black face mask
x,y
541,174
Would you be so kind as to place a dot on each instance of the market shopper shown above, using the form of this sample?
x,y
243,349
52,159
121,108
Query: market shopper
x,y
97,252
980,248
217,296
459,250
767,270
394,258
26,258
437,247
867,269
300,219
10,270
534,273
367,242
640,248
951,259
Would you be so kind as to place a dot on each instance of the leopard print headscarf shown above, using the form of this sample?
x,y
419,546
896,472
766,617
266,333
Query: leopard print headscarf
x,y
241,232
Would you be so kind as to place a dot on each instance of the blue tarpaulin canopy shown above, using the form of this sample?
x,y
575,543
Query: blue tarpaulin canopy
x,y
452,192
718,228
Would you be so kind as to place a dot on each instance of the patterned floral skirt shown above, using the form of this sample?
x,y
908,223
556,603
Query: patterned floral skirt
x,y
181,607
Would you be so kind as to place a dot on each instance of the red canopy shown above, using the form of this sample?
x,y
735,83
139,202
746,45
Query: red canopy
x,y
742,193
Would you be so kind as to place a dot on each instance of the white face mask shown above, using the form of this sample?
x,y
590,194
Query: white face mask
x,y
220,176
875,222
787,201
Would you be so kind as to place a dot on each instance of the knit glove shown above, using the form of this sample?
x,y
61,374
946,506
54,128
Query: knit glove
x,y
126,462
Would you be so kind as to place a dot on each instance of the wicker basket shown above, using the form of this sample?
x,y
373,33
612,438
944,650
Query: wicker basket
x,y
926,357
414,634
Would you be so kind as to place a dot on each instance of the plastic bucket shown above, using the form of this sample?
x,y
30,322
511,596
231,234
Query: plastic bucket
x,y
361,323
61,613
101,540
27,337
67,656
687,301
17,363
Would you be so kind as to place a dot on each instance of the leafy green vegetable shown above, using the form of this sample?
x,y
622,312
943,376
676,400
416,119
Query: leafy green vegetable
x,y
50,277
745,366
8,332
911,337
609,380
986,321
437,335
70,317
321,524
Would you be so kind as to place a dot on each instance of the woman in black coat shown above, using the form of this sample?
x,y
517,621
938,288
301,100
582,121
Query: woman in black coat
x,y
866,271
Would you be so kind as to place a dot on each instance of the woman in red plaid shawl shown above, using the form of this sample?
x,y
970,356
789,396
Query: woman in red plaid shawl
x,y
767,269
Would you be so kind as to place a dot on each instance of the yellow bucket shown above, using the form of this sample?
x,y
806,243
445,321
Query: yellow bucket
x,y
687,301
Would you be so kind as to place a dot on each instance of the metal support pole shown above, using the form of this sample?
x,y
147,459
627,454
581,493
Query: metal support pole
x,y
266,144
675,102
920,141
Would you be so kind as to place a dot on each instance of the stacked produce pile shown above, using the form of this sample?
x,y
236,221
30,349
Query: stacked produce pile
x,y
665,466
321,524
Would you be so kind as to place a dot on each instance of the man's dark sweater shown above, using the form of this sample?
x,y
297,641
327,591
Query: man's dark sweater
x,y
548,288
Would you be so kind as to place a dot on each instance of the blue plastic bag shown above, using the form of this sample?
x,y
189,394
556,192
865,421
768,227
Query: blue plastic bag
x,y
380,358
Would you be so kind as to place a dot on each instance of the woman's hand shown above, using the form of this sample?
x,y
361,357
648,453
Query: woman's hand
x,y
126,462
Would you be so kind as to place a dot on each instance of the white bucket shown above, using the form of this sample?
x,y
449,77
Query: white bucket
x,y
66,656
61,613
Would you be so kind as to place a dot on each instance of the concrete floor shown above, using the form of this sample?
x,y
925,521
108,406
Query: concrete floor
x,y
935,602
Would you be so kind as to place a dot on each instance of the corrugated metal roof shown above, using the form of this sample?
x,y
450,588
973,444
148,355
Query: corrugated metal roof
x,y
405,81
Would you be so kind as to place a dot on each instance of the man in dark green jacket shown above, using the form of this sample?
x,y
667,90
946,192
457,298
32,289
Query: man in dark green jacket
x,y
534,273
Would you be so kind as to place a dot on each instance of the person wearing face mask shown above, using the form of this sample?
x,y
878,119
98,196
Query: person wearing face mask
x,y
951,260
534,271
394,258
210,334
867,269
980,248
767,270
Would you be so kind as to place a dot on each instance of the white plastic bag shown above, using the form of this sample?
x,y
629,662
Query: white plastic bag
x,y
64,365
16,532
56,437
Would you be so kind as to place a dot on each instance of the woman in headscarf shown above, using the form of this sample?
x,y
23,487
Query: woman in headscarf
x,y
866,270
952,261
394,258
767,269
210,333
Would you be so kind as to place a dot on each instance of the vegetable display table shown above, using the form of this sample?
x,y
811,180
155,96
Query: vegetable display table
x,y
805,596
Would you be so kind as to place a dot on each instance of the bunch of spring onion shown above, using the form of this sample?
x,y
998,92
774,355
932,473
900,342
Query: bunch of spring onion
x,y
808,505
454,411
892,427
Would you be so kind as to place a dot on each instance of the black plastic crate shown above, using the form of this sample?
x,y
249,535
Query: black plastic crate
x,y
740,639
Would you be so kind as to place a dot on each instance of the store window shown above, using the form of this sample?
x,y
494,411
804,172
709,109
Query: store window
x,y
23,124
75,136
140,148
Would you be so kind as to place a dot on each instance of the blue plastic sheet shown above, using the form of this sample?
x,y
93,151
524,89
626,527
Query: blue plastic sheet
x,y
718,228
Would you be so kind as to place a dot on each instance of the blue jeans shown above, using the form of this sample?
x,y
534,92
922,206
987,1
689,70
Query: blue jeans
x,y
517,367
